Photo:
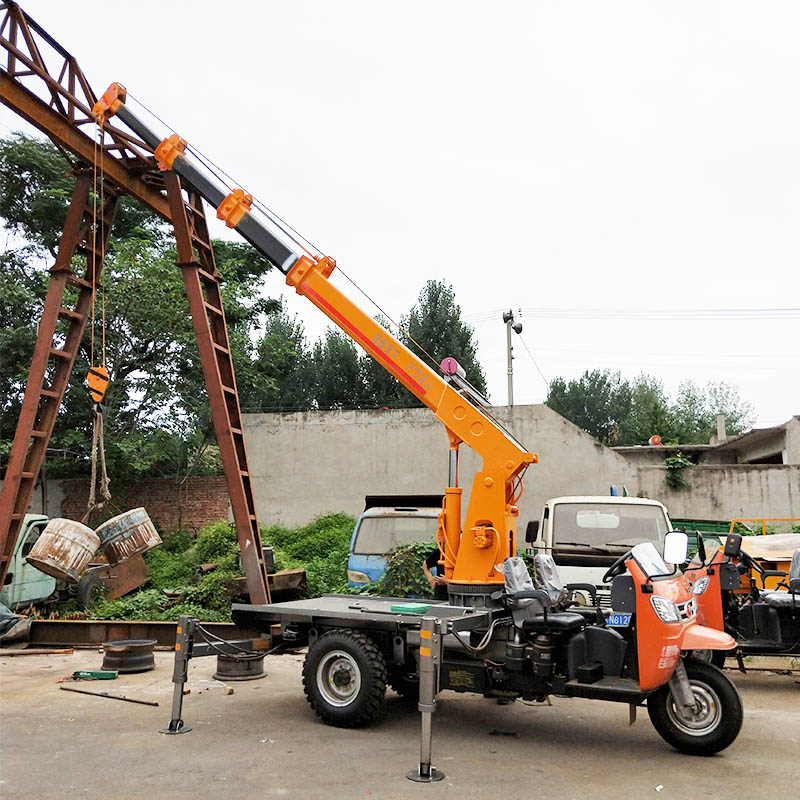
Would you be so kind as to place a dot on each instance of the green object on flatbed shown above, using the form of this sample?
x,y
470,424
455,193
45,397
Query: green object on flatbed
x,y
411,608
94,675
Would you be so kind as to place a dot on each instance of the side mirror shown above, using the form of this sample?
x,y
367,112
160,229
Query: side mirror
x,y
532,531
676,546
733,545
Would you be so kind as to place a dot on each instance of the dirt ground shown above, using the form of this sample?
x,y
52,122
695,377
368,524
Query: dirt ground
x,y
264,741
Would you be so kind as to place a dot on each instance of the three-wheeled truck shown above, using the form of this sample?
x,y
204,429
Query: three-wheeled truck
x,y
527,641
500,634
764,622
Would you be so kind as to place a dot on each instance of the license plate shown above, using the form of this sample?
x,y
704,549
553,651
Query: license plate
x,y
619,620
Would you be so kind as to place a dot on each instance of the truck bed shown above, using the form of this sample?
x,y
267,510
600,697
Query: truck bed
x,y
354,611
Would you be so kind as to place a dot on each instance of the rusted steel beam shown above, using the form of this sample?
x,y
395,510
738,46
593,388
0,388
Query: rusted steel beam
x,y
63,82
39,410
196,259
65,134
92,633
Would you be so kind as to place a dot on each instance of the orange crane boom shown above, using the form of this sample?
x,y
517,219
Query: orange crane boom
x,y
488,535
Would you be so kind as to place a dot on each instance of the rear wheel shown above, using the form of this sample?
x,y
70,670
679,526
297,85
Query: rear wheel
x,y
344,678
714,721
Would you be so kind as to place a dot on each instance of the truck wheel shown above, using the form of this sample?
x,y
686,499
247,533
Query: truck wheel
x,y
89,591
714,723
344,678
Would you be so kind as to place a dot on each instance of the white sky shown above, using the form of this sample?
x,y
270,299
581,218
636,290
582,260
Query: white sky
x,y
597,154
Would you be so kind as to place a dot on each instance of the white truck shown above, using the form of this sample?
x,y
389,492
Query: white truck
x,y
586,534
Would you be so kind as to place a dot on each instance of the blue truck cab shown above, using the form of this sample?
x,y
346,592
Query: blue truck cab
x,y
389,521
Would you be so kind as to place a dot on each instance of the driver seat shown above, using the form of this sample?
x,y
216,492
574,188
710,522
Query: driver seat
x,y
784,599
533,609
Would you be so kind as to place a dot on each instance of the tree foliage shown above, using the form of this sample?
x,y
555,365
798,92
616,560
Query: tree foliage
x,y
157,418
157,414
622,412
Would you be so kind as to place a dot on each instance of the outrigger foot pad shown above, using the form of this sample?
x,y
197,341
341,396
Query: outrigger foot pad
x,y
419,777
175,728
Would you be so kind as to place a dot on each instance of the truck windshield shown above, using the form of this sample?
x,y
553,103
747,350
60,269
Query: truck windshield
x,y
608,525
379,535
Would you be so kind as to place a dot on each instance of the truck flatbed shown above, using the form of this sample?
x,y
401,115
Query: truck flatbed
x,y
360,612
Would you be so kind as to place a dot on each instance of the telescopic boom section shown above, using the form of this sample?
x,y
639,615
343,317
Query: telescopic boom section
x,y
489,530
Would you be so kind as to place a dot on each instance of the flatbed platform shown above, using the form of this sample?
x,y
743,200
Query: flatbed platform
x,y
361,612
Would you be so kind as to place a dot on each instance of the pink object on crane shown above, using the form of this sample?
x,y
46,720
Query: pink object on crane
x,y
450,366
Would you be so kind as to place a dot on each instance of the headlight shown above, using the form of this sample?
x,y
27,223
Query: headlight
x,y
354,576
667,610
701,585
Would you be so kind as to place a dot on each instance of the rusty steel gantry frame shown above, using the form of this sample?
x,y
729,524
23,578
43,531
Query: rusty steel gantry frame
x,y
58,101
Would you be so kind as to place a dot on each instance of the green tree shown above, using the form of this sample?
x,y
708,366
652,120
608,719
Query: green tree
x,y
598,402
337,378
696,411
282,374
433,330
435,324
381,388
621,412
157,409
649,413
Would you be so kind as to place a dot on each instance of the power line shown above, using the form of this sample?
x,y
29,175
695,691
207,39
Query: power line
x,y
528,350
646,314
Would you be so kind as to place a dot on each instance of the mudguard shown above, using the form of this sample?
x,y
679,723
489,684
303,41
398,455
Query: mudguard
x,y
699,637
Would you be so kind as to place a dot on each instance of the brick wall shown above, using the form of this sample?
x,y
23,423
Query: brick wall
x,y
193,505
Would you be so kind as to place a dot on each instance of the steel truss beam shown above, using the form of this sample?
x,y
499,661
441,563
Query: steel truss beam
x,y
43,83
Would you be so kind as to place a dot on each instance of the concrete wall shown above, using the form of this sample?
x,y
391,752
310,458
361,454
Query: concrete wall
x,y
306,464
792,452
48,502
726,492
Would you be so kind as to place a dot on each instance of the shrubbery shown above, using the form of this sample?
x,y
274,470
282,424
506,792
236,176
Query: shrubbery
x,y
176,586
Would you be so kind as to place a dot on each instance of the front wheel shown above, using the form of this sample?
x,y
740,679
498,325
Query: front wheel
x,y
711,725
344,678
715,657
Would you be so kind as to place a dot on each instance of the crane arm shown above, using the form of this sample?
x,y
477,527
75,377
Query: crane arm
x,y
490,522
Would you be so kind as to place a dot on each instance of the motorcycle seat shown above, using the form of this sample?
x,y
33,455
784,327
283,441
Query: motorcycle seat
x,y
779,599
784,599
555,622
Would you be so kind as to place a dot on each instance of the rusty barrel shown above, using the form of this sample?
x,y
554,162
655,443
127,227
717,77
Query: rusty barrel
x,y
64,549
127,535
129,655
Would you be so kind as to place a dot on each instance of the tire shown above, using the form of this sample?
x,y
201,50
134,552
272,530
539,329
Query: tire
x,y
344,678
715,726
406,684
715,657
89,591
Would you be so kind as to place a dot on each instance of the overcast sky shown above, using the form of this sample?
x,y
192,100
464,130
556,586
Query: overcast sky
x,y
625,156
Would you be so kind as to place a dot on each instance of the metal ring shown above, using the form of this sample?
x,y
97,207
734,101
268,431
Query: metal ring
x,y
338,678
706,715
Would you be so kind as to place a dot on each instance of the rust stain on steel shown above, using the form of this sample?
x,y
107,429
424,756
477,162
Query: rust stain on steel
x,y
121,578
91,633
64,549
127,535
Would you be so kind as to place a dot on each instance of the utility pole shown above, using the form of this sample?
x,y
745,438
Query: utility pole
x,y
508,318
